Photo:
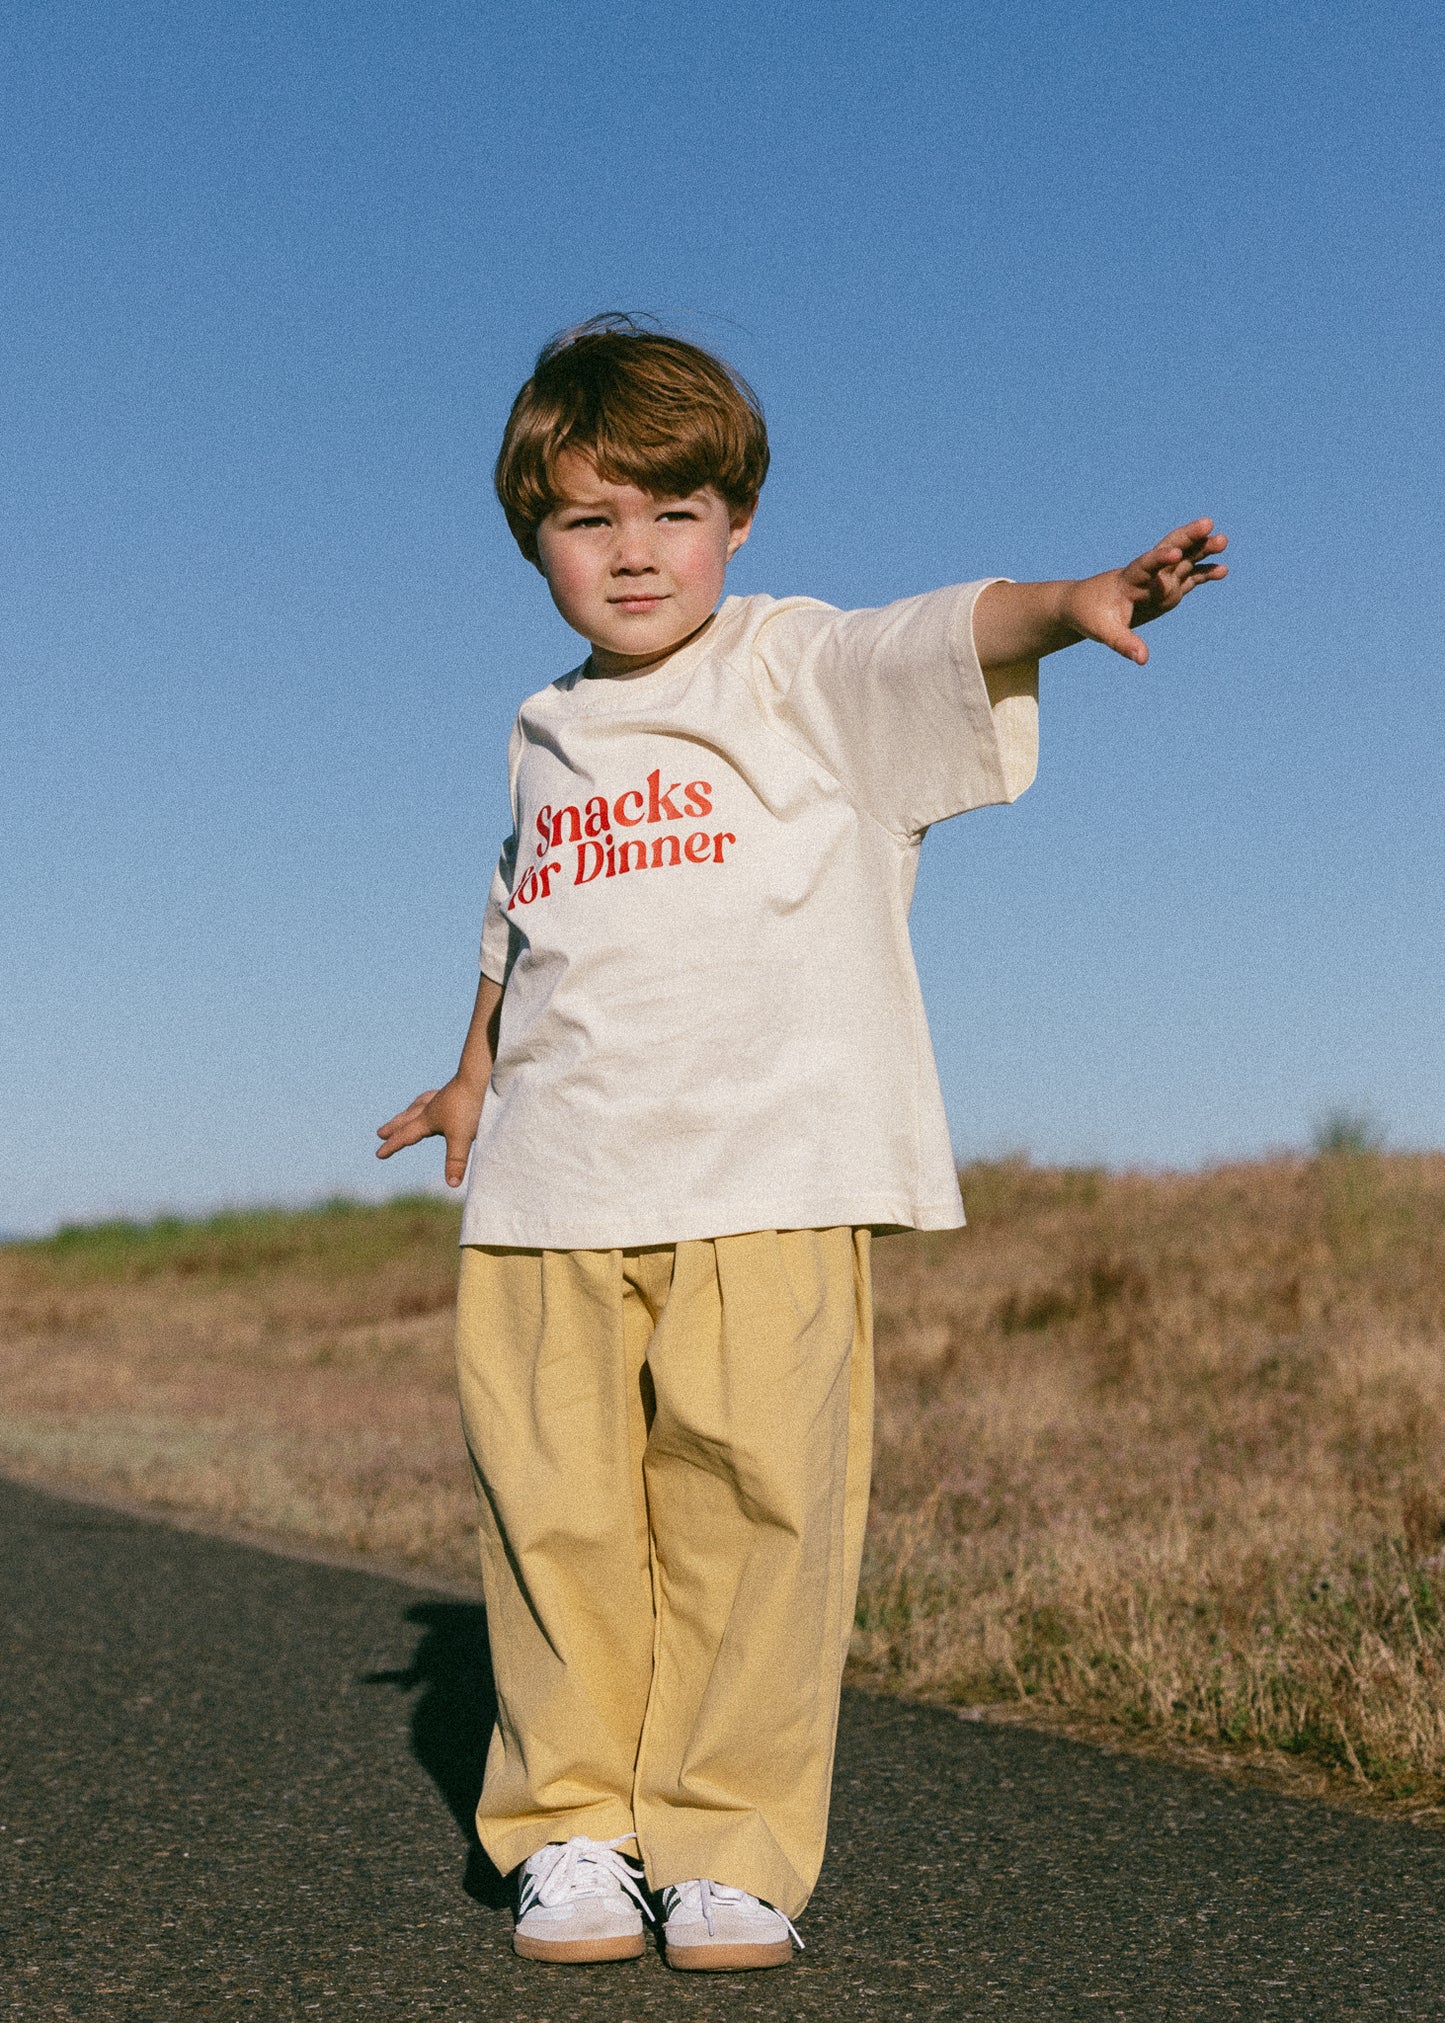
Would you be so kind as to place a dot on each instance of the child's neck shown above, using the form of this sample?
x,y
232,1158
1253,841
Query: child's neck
x,y
604,665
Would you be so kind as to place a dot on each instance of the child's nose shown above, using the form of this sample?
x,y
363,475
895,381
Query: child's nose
x,y
633,555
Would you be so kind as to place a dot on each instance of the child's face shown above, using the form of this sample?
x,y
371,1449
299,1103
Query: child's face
x,y
633,573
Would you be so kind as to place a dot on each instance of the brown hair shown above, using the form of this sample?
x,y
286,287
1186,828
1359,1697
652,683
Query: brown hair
x,y
645,408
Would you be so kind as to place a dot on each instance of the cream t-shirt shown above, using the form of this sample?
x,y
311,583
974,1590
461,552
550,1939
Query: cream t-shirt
x,y
712,1020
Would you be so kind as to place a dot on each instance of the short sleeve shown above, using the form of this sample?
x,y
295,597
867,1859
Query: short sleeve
x,y
500,939
499,936
893,703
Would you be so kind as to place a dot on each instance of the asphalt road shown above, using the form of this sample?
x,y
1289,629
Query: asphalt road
x,y
237,1784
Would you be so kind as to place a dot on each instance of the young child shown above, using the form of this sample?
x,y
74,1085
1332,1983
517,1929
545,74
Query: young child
x,y
707,1080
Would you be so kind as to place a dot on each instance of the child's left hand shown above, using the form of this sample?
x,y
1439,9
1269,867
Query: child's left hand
x,y
1109,607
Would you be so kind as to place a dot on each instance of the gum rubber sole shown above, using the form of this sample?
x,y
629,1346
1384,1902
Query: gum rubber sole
x,y
729,1959
579,1952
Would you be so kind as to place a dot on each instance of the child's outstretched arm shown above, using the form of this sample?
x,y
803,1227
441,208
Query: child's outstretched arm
x,y
453,1112
1023,621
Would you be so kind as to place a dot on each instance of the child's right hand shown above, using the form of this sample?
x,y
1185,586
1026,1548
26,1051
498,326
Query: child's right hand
x,y
451,1113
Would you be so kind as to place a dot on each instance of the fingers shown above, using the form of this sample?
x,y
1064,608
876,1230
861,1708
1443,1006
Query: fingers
x,y
1186,550
1202,573
1159,580
1191,533
435,1113
1119,639
1194,537
413,1109
1196,566
409,1133
407,1127
458,1148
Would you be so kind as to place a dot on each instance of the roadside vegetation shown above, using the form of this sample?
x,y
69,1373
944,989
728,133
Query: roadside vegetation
x,y
1161,1457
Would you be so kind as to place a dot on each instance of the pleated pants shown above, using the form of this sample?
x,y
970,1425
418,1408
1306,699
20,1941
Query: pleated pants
x,y
671,1448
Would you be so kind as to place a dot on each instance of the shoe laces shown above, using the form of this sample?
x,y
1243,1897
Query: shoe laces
x,y
578,1868
699,1894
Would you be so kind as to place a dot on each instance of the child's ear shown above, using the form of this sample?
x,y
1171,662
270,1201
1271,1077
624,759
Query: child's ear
x,y
741,528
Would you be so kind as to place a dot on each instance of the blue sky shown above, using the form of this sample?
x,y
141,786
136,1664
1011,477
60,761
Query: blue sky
x,y
1020,289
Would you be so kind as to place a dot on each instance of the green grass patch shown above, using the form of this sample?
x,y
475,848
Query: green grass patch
x,y
332,1238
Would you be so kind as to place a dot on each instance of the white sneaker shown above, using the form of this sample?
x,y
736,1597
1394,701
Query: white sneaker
x,y
580,1900
718,1929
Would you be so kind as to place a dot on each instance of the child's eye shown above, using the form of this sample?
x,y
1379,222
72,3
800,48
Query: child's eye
x,y
586,520
678,513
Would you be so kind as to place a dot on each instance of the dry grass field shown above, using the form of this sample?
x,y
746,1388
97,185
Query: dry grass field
x,y
1162,1457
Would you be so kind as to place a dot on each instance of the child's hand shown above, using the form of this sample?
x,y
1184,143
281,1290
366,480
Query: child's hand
x,y
451,1113
1014,622
1109,607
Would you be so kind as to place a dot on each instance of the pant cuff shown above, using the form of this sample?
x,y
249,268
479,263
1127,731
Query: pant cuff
x,y
740,1852
508,1842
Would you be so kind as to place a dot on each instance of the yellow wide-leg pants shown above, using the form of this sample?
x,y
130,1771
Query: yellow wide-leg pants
x,y
672,1450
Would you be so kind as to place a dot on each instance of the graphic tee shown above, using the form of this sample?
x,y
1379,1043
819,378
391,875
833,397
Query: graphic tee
x,y
712,1020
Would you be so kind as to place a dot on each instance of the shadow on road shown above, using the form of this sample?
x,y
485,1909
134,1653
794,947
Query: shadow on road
x,y
451,1721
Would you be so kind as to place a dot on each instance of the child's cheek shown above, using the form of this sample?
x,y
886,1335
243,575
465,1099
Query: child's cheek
x,y
573,586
